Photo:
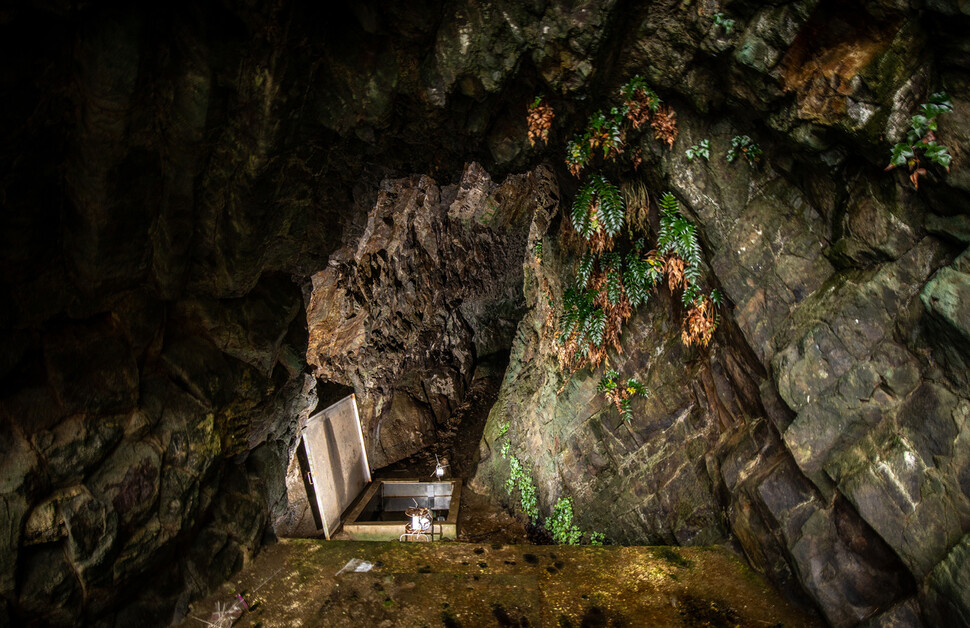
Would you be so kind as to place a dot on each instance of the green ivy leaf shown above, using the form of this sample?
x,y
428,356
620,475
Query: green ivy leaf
x,y
941,100
939,154
901,154
919,124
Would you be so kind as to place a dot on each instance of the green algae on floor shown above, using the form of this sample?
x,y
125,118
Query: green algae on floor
x,y
467,584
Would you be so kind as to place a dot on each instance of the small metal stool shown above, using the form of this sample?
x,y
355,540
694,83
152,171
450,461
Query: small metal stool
x,y
421,527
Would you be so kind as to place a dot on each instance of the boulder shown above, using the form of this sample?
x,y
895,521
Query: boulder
x,y
50,589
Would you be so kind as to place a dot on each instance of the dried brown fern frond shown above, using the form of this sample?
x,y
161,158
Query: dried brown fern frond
x,y
699,324
600,242
540,121
639,108
637,201
664,123
674,269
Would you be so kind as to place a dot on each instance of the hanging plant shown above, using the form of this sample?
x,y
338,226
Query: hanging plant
x,y
540,121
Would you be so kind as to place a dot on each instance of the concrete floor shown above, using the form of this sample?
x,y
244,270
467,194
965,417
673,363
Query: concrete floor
x,y
295,583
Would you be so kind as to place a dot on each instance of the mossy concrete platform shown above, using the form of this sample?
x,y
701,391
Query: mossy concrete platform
x,y
465,584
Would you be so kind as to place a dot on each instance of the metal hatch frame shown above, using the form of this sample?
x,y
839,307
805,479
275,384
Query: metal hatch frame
x,y
335,484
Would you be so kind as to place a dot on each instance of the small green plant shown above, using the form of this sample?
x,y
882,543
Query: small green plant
x,y
921,140
744,146
677,241
701,149
641,273
605,130
639,100
621,394
564,532
724,22
560,524
578,154
537,250
582,327
519,479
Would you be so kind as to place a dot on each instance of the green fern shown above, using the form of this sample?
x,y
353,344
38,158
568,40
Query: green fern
x,y
669,205
598,206
621,395
577,307
611,209
581,321
581,213
585,269
594,328
678,236
608,383
640,275
634,387
606,130
614,278
639,84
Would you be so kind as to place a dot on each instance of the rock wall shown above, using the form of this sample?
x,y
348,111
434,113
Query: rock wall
x,y
433,284
825,431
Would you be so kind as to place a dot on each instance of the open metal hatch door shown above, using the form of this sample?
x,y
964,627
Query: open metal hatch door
x,y
339,471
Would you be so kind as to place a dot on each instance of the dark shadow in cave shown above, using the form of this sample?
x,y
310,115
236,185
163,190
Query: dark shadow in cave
x,y
458,439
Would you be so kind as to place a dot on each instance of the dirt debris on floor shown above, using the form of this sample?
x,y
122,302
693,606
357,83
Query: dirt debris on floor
x,y
467,585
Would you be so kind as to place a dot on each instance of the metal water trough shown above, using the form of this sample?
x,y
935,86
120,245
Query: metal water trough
x,y
340,493
379,514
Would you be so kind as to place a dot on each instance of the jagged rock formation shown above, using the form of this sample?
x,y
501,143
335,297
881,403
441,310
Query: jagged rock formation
x,y
433,284
169,170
